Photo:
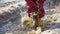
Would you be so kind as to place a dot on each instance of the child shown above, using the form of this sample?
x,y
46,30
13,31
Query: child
x,y
36,6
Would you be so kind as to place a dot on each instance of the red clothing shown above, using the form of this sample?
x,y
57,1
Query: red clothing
x,y
35,6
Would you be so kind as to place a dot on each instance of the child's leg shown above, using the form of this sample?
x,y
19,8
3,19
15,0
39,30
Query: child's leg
x,y
39,22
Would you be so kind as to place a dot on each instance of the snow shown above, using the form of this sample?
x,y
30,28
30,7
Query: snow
x,y
51,20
